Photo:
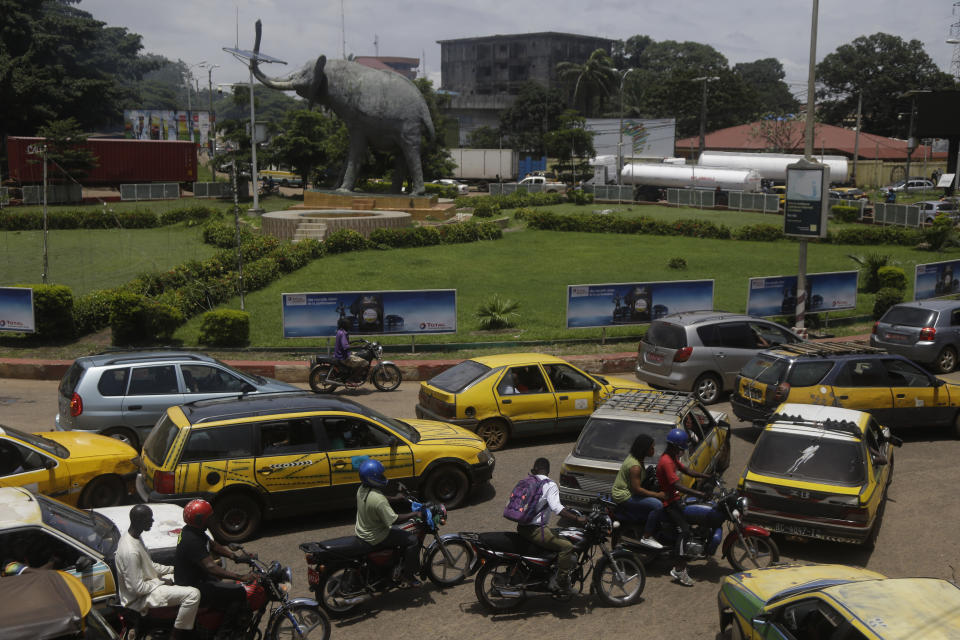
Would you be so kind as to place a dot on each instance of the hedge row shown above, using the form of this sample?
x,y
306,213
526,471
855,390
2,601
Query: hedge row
x,y
512,201
468,231
439,190
94,218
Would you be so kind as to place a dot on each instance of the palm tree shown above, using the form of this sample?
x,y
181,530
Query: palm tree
x,y
595,77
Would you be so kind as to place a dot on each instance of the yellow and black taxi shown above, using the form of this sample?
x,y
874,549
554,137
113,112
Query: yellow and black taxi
x,y
283,454
898,392
516,394
81,469
820,472
836,601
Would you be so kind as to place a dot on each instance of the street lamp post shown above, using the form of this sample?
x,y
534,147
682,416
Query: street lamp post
x,y
210,118
913,109
703,110
620,142
189,102
956,70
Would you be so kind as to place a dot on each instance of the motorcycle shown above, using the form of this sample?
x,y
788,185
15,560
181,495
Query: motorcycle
x,y
293,618
745,547
268,189
513,568
326,373
344,573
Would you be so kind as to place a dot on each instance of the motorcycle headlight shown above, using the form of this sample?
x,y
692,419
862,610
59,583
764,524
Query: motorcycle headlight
x,y
742,504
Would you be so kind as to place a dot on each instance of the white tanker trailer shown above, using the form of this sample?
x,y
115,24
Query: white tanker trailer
x,y
770,166
690,177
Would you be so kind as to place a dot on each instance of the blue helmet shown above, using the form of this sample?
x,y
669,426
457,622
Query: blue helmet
x,y
678,438
371,474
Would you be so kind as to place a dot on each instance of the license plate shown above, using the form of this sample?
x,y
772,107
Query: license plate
x,y
655,358
896,337
793,530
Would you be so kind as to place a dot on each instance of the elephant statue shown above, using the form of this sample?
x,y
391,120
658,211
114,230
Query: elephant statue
x,y
380,108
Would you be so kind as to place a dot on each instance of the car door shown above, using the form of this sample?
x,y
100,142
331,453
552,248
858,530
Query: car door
x,y
919,399
525,399
152,389
216,456
350,440
700,452
732,344
576,395
860,383
879,467
24,466
203,381
291,464
713,436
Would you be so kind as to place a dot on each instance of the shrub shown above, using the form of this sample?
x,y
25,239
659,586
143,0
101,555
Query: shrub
x,y
344,240
762,232
677,263
874,235
225,328
870,265
485,208
579,197
260,273
91,311
52,311
892,278
138,320
191,215
845,213
886,298
224,234
441,190
942,233
523,212
498,312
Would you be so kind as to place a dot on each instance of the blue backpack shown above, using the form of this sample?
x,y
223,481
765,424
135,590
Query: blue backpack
x,y
522,506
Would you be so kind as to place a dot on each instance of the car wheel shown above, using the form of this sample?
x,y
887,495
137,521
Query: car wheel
x,y
448,485
494,432
946,360
103,491
707,388
123,434
236,517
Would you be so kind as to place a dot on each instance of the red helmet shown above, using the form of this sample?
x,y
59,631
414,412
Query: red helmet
x,y
197,512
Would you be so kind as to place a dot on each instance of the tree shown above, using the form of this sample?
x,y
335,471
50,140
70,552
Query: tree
x,y
525,122
783,133
571,144
308,142
765,78
434,155
70,159
592,81
484,138
881,67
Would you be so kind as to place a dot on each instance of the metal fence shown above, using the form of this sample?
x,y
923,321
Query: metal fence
x,y
904,215
4,195
150,191
613,192
212,190
56,194
506,188
749,201
691,197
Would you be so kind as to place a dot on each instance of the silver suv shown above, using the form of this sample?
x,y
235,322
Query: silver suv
x,y
927,332
702,351
123,394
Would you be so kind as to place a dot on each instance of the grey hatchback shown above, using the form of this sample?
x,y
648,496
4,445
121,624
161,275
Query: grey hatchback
x,y
925,331
702,351
122,394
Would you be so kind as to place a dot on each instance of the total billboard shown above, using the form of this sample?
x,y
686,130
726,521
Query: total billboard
x,y
936,279
609,305
315,315
165,124
641,138
16,310
777,295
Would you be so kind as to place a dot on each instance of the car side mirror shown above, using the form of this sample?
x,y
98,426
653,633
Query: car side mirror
x,y
83,564
937,382
878,459
248,388
49,464
394,443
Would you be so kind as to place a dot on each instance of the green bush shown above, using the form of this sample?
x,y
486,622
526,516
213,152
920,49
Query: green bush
x,y
344,240
91,311
762,232
677,263
260,273
52,311
885,299
942,233
192,215
514,200
224,234
845,213
497,312
469,231
441,190
892,278
579,197
485,209
225,328
873,235
523,212
138,320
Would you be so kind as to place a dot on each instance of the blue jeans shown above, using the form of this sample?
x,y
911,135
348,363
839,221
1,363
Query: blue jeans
x,y
637,509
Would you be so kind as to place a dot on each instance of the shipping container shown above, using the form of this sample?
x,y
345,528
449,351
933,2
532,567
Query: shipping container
x,y
120,161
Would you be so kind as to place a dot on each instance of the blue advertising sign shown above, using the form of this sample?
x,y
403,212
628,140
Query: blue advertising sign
x,y
16,310
609,305
777,295
315,315
936,279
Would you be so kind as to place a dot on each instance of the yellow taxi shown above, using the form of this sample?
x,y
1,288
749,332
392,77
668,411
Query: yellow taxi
x,y
820,472
836,601
283,454
516,394
50,604
82,469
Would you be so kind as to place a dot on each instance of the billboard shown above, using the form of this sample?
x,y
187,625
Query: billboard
x,y
610,305
647,138
315,315
777,295
166,124
936,279
16,310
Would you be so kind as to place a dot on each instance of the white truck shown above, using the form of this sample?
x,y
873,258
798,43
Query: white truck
x,y
485,165
548,186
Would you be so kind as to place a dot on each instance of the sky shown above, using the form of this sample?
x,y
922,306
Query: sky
x,y
297,31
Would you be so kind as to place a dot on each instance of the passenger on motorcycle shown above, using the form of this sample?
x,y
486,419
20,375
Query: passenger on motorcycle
x,y
669,479
636,504
341,349
375,518
539,534
145,584
195,566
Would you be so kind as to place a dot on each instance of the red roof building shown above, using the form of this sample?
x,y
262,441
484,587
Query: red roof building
x,y
406,67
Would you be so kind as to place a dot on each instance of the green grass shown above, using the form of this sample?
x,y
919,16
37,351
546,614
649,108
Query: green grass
x,y
270,203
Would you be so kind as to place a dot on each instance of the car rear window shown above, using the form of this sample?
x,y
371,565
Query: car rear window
x,y
910,316
805,374
219,443
160,440
812,458
70,380
765,369
458,377
667,335
610,439
113,382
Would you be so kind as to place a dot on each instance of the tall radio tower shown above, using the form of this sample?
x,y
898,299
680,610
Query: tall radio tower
x,y
955,37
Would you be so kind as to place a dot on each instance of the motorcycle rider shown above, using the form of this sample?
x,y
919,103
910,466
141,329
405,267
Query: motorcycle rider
x,y
375,518
669,479
144,584
539,534
341,349
195,566
636,503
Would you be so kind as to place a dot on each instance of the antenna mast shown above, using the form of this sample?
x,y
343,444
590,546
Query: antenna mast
x,y
343,32
955,35
376,45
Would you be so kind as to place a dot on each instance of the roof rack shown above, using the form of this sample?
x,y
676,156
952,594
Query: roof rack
x,y
150,357
649,400
827,348
844,426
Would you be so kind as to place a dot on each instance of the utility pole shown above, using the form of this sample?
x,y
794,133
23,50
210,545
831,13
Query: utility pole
x,y
801,309
856,139
703,111
43,276
620,140
210,116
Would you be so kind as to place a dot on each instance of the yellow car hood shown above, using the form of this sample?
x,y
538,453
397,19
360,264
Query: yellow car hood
x,y
766,583
433,432
90,445
624,383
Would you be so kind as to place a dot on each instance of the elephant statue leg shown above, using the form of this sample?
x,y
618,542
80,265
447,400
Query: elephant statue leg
x,y
399,173
411,153
358,147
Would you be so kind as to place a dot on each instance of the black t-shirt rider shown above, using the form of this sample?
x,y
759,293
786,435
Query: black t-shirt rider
x,y
192,548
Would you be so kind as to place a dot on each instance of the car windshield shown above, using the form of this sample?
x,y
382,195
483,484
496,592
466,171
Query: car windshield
x,y
810,457
48,445
610,439
459,377
665,334
399,426
910,316
89,527
765,369
249,377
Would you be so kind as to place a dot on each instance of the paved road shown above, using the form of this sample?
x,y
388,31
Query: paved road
x,y
917,539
